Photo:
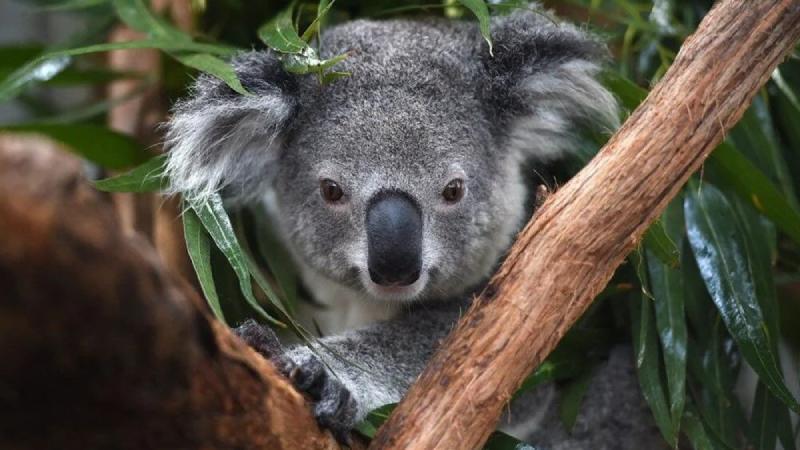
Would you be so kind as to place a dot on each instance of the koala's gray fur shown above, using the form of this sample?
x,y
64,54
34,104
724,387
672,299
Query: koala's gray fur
x,y
425,103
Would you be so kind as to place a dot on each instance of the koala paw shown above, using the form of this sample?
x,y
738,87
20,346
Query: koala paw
x,y
263,340
334,405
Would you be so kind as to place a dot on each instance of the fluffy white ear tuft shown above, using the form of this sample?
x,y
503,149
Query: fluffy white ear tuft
x,y
220,140
544,84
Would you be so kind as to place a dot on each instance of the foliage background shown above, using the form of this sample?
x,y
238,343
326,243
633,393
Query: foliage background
x,y
710,300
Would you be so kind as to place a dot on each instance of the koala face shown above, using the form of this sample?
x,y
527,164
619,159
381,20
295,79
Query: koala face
x,y
383,189
402,181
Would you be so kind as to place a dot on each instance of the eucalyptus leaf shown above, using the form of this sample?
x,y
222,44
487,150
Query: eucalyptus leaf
x,y
502,441
571,397
148,177
322,10
734,170
138,16
280,33
693,427
763,419
755,136
214,66
719,251
481,11
647,364
215,219
198,246
666,286
96,143
50,64
659,243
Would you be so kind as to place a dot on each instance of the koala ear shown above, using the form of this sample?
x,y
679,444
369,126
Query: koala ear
x,y
542,84
218,139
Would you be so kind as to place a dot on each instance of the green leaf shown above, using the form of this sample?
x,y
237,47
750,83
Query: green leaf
x,y
375,418
734,170
695,431
278,260
216,221
93,142
199,247
481,11
280,34
628,92
148,177
661,245
502,441
755,136
214,66
666,286
719,251
50,64
763,419
138,16
70,5
647,364
322,10
571,398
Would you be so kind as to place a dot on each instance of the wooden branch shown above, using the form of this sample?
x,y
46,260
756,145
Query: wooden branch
x,y
101,347
568,252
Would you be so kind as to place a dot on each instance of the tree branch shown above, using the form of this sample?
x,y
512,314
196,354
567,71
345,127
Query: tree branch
x,y
568,252
103,348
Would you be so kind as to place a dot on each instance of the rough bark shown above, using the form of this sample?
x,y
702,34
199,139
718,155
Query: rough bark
x,y
101,347
568,252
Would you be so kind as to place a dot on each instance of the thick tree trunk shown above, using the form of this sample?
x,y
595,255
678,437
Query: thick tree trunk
x,y
103,348
568,252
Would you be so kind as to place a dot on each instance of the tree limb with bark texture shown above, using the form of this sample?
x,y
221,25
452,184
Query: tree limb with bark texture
x,y
102,347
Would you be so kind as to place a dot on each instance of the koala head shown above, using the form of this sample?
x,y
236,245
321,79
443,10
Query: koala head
x,y
404,180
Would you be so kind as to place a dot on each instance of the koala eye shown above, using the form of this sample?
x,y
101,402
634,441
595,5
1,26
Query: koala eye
x,y
330,191
454,190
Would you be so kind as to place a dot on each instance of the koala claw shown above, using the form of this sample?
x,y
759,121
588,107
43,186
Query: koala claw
x,y
334,405
263,340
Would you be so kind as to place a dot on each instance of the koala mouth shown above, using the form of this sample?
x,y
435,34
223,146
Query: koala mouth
x,y
394,292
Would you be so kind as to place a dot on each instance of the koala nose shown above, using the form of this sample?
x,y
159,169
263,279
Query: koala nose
x,y
394,239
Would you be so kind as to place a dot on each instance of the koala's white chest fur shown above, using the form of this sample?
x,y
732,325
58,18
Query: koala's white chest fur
x,y
339,308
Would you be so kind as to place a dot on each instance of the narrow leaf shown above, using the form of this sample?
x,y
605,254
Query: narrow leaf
x,y
666,286
730,166
214,66
148,177
502,441
280,34
216,221
138,16
50,64
717,246
322,10
695,431
96,143
661,245
647,365
199,247
571,399
481,11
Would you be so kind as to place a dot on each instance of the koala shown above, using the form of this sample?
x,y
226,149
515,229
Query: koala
x,y
398,189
